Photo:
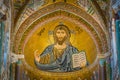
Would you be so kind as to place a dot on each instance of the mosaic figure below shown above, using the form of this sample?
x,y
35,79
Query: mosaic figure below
x,y
57,57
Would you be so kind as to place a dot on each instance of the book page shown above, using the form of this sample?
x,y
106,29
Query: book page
x,y
79,59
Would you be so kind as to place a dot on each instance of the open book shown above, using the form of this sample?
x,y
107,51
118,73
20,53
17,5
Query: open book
x,y
79,59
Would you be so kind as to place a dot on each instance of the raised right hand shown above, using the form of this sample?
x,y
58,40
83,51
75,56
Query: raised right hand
x,y
36,56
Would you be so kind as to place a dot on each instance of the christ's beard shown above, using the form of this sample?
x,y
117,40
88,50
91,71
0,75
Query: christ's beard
x,y
60,42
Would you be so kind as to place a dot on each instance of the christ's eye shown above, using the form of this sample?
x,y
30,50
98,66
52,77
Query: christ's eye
x,y
60,33
63,32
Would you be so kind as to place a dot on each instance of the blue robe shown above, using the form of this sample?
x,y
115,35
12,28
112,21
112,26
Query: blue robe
x,y
61,64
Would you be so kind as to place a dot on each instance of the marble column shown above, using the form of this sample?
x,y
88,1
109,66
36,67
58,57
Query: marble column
x,y
102,65
102,69
12,71
19,70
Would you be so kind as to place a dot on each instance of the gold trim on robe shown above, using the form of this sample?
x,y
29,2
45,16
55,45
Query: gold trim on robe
x,y
57,53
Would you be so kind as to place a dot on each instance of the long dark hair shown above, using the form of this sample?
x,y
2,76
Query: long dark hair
x,y
62,27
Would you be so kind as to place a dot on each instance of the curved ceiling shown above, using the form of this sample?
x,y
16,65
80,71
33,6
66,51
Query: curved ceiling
x,y
72,10
87,34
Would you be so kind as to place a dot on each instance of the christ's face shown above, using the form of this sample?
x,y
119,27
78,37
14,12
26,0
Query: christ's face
x,y
61,35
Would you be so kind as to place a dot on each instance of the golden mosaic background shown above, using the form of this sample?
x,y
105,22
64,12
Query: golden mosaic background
x,y
40,39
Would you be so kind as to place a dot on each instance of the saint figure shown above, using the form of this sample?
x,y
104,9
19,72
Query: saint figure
x,y
57,57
